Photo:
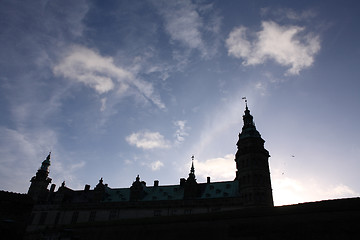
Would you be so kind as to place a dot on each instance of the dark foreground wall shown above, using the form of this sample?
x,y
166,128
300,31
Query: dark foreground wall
x,y
332,219
15,209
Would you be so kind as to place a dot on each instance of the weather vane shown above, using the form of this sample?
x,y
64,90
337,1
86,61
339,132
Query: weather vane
x,y
244,99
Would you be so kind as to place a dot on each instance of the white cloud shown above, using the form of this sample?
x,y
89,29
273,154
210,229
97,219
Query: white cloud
x,y
181,132
100,73
147,140
283,44
222,168
156,165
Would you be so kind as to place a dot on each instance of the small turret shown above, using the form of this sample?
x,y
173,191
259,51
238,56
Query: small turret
x,y
137,190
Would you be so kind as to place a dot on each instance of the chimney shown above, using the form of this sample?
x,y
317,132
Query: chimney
x,y
182,182
87,187
208,180
156,183
52,188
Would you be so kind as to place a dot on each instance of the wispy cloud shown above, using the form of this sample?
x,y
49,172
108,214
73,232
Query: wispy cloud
x,y
288,14
288,45
186,23
62,171
99,72
156,165
182,22
147,140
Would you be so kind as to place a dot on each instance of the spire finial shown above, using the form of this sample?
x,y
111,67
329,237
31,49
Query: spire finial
x,y
192,170
246,106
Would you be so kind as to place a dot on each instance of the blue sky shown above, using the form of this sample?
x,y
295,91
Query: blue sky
x,y
119,88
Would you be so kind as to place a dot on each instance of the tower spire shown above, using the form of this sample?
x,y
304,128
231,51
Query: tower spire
x,y
252,165
192,170
248,129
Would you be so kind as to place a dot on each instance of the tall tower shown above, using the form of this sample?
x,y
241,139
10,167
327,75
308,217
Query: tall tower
x,y
252,165
39,183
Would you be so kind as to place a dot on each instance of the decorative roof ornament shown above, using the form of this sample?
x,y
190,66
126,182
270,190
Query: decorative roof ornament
x,y
244,98
248,129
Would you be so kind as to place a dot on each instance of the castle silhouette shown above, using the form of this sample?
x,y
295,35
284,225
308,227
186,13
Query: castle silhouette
x,y
241,208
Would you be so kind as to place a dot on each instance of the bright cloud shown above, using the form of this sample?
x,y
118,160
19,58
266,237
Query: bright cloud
x,y
222,168
147,140
181,132
156,165
287,190
100,73
283,44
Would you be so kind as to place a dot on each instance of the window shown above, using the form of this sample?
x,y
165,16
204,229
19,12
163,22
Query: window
x,y
157,213
32,217
173,212
57,218
92,216
43,216
74,217
113,214
187,211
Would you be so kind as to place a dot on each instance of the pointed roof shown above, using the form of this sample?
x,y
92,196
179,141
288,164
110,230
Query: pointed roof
x,y
248,129
46,163
192,171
